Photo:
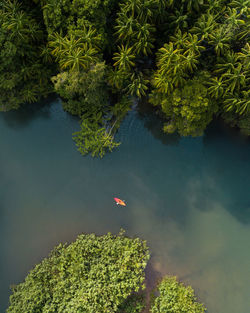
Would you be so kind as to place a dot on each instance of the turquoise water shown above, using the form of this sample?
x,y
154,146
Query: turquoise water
x,y
188,197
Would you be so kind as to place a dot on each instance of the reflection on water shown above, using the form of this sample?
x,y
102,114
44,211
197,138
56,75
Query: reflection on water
x,y
189,200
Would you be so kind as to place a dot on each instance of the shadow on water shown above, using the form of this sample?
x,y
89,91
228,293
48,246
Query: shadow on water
x,y
226,155
154,124
22,117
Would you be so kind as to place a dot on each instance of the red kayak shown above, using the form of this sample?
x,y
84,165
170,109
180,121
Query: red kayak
x,y
119,201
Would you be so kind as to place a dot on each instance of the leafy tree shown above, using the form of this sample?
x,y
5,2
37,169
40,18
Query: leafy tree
x,y
24,77
92,274
93,139
97,134
83,91
174,297
64,16
188,109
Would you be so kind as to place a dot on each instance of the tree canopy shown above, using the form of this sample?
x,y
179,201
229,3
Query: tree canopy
x,y
98,274
190,59
174,297
92,274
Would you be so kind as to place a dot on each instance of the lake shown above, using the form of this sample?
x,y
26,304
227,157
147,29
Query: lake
x,y
188,197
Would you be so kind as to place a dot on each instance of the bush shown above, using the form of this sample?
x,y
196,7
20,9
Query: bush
x,y
174,297
92,274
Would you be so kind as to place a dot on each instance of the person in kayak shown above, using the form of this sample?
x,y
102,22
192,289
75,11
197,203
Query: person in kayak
x,y
119,201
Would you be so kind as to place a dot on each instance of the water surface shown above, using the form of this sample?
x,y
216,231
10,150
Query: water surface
x,y
188,197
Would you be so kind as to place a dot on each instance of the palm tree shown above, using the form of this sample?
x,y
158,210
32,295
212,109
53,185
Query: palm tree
x,y
34,30
88,35
243,30
146,11
178,39
179,20
126,26
132,7
237,103
233,18
190,61
56,41
167,55
242,6
144,39
70,43
191,43
124,58
162,4
10,7
193,4
163,83
244,105
117,78
29,94
178,78
204,26
138,85
244,56
215,7
78,57
220,40
17,24
72,52
217,87
235,79
227,63
172,63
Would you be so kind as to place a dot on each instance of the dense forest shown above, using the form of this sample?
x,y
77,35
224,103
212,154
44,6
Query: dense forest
x,y
188,58
101,274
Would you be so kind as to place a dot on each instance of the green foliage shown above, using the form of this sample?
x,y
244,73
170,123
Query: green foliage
x,y
24,77
174,297
124,58
188,109
79,50
176,61
92,274
93,139
66,15
138,85
133,304
231,84
96,135
83,91
99,52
